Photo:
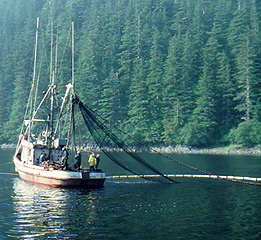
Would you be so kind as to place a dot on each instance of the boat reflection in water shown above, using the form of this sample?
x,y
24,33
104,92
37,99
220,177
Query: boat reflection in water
x,y
44,212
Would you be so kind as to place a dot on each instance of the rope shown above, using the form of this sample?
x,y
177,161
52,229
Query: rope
x,y
12,174
5,163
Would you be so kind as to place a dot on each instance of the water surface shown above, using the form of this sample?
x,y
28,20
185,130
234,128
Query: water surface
x,y
134,208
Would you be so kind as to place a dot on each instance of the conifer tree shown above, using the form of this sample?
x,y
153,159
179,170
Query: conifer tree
x,y
240,39
155,86
109,102
89,59
138,104
204,114
172,115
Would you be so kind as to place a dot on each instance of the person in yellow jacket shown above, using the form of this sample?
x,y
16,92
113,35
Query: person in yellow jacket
x,y
92,162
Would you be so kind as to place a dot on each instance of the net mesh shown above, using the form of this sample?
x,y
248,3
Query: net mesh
x,y
107,139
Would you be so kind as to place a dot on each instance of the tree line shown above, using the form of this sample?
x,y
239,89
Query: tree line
x,y
165,71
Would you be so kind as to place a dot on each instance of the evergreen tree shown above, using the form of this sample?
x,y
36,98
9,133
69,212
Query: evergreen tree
x,y
226,92
240,40
204,114
88,73
126,57
172,115
109,102
138,106
155,87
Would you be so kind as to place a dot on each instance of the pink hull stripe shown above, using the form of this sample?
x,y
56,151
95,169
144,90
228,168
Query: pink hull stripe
x,y
61,182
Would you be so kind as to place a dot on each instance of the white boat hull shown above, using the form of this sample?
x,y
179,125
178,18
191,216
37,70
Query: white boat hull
x,y
62,178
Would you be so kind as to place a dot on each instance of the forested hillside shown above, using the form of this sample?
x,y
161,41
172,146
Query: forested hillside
x,y
166,71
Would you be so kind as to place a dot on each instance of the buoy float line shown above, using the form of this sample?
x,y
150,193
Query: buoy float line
x,y
188,175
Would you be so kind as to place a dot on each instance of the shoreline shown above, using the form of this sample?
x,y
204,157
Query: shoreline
x,y
228,150
179,149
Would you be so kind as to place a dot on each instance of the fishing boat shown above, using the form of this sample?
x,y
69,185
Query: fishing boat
x,y
48,151
47,140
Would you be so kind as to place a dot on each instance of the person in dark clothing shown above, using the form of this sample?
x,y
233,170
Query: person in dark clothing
x,y
42,157
97,161
65,157
78,160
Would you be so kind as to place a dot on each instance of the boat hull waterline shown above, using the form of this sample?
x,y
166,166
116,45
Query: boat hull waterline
x,y
58,178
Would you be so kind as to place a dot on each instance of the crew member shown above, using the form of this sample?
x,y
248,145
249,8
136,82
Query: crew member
x,y
42,157
65,157
92,162
78,160
97,161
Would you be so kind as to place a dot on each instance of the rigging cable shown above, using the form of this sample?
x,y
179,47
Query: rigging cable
x,y
91,121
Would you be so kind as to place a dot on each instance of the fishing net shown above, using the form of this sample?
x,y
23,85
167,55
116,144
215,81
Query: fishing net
x,y
106,137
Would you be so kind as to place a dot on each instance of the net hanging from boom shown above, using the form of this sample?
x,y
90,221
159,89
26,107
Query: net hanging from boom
x,y
126,158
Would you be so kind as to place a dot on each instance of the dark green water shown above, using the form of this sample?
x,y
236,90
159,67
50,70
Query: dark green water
x,y
124,209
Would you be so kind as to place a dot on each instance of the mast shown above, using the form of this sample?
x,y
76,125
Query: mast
x,y
32,101
49,129
72,120
73,53
36,49
29,107
69,90
51,54
56,55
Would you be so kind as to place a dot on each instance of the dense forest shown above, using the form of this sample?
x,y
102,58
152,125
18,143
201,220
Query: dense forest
x,y
165,71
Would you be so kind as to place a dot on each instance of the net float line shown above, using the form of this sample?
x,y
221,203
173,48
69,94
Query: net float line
x,y
192,176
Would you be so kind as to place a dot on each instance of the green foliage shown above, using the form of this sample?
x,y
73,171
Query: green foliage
x,y
258,110
247,133
196,134
178,72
